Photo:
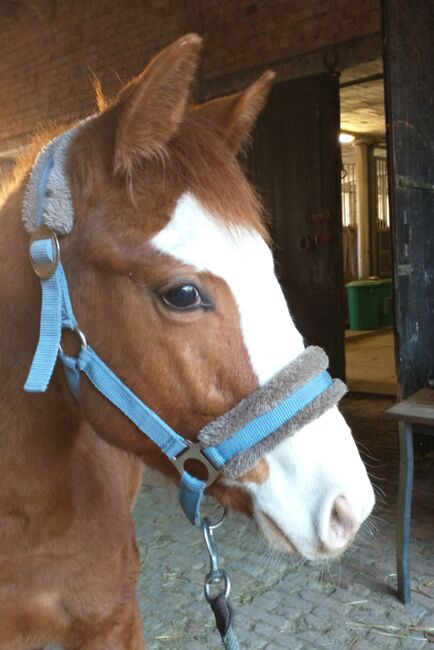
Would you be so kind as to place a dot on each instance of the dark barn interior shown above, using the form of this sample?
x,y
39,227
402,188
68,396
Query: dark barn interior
x,y
342,157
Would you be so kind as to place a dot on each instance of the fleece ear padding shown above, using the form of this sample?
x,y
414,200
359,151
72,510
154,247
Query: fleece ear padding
x,y
292,377
56,207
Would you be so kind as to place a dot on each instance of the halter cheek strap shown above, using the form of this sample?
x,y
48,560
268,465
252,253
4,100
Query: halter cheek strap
x,y
56,316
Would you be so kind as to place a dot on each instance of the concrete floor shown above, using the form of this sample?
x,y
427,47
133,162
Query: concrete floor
x,y
370,362
285,603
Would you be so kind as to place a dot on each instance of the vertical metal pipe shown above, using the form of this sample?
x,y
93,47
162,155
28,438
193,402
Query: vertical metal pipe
x,y
363,237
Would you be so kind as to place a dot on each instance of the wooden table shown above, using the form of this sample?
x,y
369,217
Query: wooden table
x,y
418,409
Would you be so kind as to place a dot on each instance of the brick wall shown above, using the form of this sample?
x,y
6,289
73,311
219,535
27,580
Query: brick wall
x,y
49,48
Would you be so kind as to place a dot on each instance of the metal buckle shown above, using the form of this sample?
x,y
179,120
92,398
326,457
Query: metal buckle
x,y
45,270
194,452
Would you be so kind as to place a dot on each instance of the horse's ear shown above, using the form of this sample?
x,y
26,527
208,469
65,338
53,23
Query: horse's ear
x,y
236,114
153,104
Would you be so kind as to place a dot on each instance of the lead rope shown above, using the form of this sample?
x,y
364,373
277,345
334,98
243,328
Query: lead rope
x,y
219,603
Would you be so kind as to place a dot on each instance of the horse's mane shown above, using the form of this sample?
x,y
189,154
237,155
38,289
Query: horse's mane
x,y
40,137
24,161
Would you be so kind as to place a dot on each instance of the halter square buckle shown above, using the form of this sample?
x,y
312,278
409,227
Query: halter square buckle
x,y
194,451
45,270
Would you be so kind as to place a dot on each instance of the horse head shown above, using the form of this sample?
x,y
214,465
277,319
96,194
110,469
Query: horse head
x,y
171,277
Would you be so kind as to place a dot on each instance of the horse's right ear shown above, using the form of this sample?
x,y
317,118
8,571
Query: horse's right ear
x,y
153,104
236,114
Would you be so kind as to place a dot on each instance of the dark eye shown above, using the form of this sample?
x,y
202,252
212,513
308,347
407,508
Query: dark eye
x,y
185,296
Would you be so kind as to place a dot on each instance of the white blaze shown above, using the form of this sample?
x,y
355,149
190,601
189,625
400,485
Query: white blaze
x,y
321,462
241,258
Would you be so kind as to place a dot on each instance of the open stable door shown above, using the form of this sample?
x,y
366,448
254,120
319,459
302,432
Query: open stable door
x,y
294,163
409,83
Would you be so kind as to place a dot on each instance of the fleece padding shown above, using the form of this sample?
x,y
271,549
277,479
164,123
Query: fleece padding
x,y
293,376
56,204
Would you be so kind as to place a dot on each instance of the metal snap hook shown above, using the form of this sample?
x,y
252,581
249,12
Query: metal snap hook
x,y
216,574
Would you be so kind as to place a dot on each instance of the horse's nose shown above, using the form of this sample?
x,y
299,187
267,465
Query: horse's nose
x,y
342,526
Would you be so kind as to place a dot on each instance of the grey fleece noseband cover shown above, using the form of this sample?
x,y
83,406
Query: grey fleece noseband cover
x,y
292,377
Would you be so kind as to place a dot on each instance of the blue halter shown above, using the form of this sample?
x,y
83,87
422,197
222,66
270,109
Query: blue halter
x,y
57,315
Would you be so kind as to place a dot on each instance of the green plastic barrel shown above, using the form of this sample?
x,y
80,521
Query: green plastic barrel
x,y
363,304
385,316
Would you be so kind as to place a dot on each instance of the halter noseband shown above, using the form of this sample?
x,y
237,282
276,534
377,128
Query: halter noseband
x,y
231,444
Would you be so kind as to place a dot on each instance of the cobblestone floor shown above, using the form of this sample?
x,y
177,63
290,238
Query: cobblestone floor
x,y
283,603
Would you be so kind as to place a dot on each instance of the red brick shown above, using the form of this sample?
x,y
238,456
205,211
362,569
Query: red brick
x,y
45,63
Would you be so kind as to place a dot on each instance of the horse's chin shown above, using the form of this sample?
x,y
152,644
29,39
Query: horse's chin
x,y
275,536
279,540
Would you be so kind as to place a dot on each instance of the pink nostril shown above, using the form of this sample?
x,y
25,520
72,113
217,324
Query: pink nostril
x,y
343,524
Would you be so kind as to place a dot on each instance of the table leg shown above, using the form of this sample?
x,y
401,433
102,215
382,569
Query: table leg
x,y
404,510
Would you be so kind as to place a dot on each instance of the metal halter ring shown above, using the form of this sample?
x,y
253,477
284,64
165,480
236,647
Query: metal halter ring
x,y
219,522
211,581
81,336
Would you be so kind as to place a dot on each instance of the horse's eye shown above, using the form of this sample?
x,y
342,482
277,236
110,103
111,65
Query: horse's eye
x,y
186,296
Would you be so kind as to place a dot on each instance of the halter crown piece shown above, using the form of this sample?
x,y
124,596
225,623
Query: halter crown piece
x,y
229,445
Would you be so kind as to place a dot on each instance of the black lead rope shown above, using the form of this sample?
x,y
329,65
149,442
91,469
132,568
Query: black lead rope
x,y
218,578
225,621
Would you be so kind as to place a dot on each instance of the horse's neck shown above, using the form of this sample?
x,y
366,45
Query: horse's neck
x,y
36,431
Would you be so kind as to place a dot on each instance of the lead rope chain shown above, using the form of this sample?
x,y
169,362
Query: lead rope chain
x,y
220,604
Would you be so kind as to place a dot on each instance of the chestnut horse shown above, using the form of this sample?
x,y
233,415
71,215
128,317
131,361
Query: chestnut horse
x,y
172,280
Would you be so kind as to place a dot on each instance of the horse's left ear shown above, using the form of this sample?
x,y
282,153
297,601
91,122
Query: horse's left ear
x,y
236,114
